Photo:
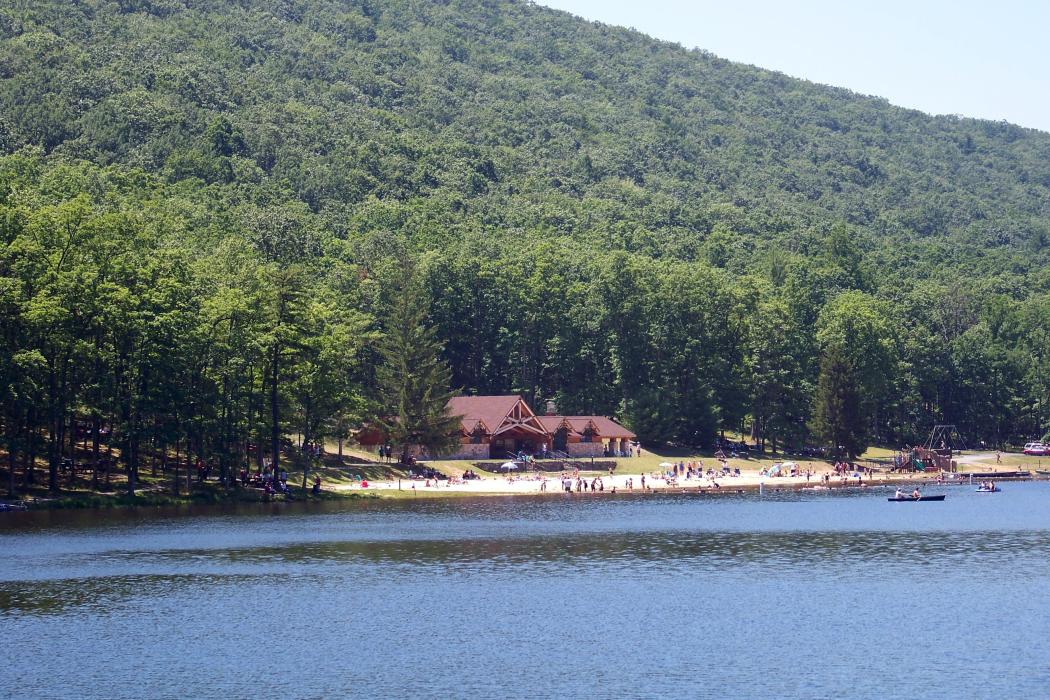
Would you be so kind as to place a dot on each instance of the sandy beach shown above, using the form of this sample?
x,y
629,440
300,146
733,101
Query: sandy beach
x,y
632,483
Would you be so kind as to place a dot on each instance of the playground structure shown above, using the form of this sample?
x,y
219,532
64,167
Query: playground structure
x,y
935,455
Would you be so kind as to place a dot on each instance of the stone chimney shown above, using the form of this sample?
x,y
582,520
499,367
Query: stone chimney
x,y
552,408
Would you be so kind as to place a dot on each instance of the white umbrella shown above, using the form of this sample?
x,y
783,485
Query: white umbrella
x,y
506,466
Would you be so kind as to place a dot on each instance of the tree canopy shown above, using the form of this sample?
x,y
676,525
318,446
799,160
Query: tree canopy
x,y
205,205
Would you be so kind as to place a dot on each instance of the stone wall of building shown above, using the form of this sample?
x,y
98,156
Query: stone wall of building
x,y
471,451
585,449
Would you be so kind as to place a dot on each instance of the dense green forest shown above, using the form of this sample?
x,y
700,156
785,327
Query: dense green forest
x,y
207,208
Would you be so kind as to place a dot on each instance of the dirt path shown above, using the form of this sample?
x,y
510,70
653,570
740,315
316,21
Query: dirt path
x,y
977,457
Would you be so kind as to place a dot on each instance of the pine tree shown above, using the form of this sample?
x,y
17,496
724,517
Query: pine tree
x,y
837,416
413,378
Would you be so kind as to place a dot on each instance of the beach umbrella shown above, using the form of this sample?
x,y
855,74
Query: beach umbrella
x,y
507,466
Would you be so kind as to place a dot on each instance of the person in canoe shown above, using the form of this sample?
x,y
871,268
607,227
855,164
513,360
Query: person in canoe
x,y
899,494
916,495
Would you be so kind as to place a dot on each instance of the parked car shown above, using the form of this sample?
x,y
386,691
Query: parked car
x,y
1037,449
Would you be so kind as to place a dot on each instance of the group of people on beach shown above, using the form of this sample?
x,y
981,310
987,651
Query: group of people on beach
x,y
270,482
595,485
690,469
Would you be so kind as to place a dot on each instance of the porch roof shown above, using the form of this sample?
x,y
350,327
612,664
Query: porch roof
x,y
604,427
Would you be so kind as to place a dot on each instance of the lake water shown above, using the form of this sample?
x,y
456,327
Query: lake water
x,y
816,595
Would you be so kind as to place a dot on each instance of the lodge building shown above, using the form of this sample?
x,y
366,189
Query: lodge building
x,y
496,426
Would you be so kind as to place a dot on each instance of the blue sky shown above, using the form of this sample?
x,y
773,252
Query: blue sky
x,y
978,59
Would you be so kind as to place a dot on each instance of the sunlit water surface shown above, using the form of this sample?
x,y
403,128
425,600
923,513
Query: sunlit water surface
x,y
783,595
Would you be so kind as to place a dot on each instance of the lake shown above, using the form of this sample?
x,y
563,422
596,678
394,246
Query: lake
x,y
814,595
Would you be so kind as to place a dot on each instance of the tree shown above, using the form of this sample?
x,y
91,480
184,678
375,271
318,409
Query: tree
x,y
323,387
777,383
412,378
837,418
858,325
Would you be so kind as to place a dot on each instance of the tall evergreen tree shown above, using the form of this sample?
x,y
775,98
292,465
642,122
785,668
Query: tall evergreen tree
x,y
777,384
413,379
837,416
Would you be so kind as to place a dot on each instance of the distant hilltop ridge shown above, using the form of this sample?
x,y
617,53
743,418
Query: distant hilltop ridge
x,y
506,115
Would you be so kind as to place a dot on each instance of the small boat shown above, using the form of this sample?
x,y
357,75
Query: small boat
x,y
920,498
995,490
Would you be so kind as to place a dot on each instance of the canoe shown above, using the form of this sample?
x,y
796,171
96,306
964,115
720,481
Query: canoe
x,y
921,498
995,490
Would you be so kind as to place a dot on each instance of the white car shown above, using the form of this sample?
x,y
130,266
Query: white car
x,y
1036,449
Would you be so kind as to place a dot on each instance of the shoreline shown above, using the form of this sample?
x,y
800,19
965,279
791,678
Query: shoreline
x,y
618,485
148,499
389,488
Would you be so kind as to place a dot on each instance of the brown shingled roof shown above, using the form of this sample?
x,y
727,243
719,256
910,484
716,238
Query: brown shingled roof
x,y
606,427
490,410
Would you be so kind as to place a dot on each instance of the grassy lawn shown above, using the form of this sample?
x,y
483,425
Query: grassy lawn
x,y
648,463
1014,460
651,459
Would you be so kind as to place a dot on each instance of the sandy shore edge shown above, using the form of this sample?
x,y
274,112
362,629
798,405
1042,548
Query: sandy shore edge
x,y
616,484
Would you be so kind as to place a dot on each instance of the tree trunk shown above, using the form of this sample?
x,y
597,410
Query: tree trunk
x,y
130,440
73,446
52,433
153,451
12,455
178,459
32,436
275,411
12,460
29,453
109,455
130,462
96,427
306,457
225,447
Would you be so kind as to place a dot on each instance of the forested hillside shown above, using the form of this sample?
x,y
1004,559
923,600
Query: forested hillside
x,y
206,207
